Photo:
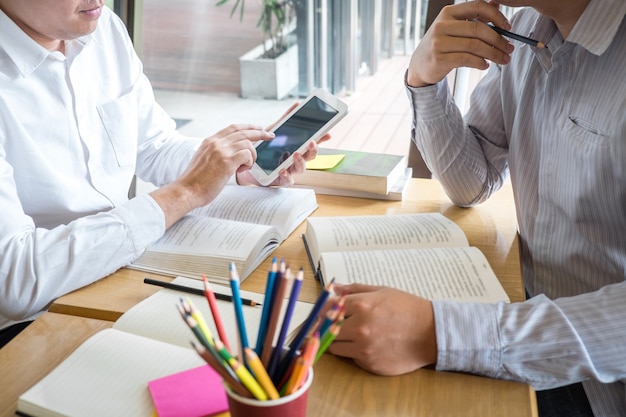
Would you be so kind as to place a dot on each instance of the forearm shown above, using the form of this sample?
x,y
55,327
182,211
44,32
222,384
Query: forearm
x,y
470,166
39,265
545,343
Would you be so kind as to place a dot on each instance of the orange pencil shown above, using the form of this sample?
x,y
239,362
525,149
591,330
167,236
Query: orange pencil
x,y
303,364
217,319
296,375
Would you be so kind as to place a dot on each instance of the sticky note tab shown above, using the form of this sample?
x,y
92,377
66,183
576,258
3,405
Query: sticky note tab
x,y
195,392
324,161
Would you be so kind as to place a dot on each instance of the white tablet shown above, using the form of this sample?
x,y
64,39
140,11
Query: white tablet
x,y
311,120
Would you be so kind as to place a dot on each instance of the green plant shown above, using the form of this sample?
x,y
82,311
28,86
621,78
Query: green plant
x,y
276,16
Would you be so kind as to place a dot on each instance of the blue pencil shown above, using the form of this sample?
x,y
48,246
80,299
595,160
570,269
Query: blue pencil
x,y
241,324
267,306
296,343
293,298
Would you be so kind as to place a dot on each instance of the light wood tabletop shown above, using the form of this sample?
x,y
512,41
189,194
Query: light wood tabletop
x,y
490,226
340,387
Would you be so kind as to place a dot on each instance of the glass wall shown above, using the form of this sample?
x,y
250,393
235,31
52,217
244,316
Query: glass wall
x,y
194,45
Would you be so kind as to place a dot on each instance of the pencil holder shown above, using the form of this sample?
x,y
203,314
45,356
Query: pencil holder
x,y
292,405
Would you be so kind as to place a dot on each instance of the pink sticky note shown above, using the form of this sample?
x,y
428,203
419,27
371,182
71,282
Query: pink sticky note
x,y
196,392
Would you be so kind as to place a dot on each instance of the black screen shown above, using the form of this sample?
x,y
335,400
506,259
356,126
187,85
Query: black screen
x,y
293,133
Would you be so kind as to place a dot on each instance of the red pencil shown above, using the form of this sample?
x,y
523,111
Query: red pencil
x,y
217,319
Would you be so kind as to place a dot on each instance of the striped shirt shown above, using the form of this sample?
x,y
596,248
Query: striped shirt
x,y
555,121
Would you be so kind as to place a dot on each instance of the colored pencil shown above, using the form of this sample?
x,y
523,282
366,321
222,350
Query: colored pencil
x,y
295,344
277,353
327,339
331,315
242,372
277,303
195,328
303,364
225,372
197,315
196,291
267,305
241,324
260,373
217,318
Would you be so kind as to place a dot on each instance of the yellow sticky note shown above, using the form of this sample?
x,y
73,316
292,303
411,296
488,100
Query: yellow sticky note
x,y
324,161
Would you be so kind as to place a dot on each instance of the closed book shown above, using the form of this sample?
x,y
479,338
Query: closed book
x,y
357,171
396,193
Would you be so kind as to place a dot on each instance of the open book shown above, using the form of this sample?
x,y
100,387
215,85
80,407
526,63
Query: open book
x,y
243,225
108,374
424,254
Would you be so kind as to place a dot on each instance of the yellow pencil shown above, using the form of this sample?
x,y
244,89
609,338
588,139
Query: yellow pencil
x,y
252,360
197,315
242,373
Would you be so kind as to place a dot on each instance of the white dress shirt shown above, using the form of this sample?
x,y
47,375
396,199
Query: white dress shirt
x,y
74,129
555,120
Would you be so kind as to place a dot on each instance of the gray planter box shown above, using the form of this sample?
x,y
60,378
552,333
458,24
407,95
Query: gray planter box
x,y
268,78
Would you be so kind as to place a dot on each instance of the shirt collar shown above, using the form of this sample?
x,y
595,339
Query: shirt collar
x,y
595,30
26,54
597,26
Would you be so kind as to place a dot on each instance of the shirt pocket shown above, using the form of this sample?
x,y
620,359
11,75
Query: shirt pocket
x,y
119,119
586,133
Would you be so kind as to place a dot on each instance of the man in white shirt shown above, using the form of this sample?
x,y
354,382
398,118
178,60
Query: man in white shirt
x,y
554,120
78,120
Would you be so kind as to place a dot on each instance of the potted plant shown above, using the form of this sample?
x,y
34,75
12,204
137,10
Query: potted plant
x,y
270,70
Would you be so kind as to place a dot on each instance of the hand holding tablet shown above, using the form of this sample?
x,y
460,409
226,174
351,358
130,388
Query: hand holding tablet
x,y
310,121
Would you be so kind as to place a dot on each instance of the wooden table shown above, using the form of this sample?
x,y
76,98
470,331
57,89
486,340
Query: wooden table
x,y
340,388
491,227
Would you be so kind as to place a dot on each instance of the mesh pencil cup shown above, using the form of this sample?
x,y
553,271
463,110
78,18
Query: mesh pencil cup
x,y
292,405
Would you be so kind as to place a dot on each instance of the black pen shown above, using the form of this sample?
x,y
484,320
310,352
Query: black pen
x,y
517,37
197,291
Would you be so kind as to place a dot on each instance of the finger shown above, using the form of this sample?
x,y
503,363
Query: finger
x,y
228,130
474,37
311,152
354,288
243,159
477,10
324,138
299,164
250,135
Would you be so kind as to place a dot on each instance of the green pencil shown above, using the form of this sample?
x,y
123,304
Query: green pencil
x,y
328,338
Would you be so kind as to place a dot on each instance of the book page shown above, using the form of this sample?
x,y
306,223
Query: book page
x,y
201,245
283,208
158,318
106,376
460,274
195,235
348,233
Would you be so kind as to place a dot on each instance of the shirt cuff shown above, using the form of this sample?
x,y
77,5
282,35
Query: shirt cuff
x,y
429,102
144,219
468,337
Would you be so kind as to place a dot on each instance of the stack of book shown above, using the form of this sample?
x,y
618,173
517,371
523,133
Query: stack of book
x,y
357,174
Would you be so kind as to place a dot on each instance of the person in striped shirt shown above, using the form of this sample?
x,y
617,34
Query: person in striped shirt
x,y
553,120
